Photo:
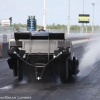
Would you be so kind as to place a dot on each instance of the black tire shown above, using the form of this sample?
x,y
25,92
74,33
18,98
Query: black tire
x,y
15,73
70,67
62,70
65,72
20,70
13,65
75,66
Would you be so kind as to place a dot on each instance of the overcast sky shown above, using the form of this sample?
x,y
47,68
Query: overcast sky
x,y
57,10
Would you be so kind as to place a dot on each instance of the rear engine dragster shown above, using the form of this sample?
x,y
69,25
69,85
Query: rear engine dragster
x,y
45,52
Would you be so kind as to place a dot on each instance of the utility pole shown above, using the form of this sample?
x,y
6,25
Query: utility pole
x,y
83,6
83,23
68,25
44,15
86,27
93,19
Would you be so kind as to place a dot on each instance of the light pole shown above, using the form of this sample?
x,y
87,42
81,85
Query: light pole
x,y
93,19
68,25
83,6
44,15
83,23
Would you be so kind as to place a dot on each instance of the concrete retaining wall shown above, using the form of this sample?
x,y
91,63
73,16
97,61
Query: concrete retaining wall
x,y
4,50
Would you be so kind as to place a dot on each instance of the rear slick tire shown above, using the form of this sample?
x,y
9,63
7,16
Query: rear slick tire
x,y
75,66
20,70
63,70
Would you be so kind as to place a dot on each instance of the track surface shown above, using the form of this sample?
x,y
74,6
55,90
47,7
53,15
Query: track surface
x,y
86,86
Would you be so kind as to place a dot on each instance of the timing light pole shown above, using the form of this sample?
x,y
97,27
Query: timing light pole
x,y
83,23
44,15
93,19
68,25
83,6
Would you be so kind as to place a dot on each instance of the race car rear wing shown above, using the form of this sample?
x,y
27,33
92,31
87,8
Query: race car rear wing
x,y
39,36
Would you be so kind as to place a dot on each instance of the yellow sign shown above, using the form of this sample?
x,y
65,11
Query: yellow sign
x,y
84,18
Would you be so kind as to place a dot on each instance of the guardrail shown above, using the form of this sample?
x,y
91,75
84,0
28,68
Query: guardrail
x,y
3,49
6,37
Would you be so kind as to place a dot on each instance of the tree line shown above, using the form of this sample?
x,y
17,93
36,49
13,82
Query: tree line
x,y
62,27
